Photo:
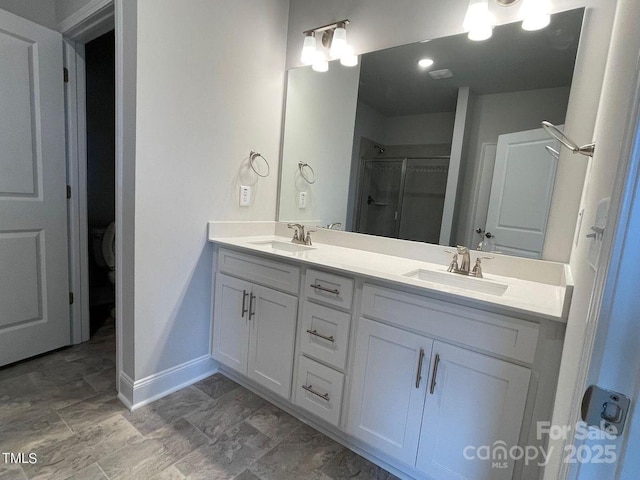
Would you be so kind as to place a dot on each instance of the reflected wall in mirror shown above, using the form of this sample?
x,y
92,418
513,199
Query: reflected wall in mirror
x,y
433,154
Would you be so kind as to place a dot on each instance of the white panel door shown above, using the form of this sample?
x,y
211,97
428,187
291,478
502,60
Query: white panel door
x,y
231,322
521,191
473,401
388,388
272,321
34,285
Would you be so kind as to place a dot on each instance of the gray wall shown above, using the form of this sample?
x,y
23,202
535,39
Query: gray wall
x,y
48,13
320,116
66,8
210,84
42,12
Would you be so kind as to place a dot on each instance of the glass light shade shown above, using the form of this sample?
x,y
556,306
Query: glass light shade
x,y
425,62
338,42
309,50
348,58
320,63
479,21
479,34
536,14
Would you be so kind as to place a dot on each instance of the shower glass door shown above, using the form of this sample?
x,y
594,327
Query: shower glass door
x,y
402,197
424,187
380,197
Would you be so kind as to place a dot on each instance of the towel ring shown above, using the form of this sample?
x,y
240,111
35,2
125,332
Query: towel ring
x,y
306,175
252,157
555,132
553,152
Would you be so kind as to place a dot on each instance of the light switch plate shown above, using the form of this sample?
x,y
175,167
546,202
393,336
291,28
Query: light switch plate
x,y
245,196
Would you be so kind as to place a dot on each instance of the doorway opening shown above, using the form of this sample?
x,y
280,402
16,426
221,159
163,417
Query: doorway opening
x,y
100,128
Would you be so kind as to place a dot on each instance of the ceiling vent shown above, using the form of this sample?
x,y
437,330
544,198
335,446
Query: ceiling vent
x,y
441,74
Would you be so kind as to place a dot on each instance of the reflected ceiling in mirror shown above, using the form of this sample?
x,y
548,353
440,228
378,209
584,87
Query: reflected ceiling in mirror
x,y
512,60
386,138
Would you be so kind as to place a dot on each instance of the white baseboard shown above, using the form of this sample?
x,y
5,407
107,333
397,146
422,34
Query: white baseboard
x,y
125,390
136,394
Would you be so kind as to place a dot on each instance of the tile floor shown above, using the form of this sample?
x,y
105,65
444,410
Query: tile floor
x,y
63,407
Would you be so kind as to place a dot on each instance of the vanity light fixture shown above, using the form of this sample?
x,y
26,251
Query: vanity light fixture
x,y
536,14
333,38
339,41
320,64
425,62
479,21
348,58
309,48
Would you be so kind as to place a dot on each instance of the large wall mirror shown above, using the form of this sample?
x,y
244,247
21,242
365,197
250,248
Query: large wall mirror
x,y
433,153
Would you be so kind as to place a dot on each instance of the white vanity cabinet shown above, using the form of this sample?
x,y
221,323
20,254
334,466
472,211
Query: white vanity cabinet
x,y
323,341
472,401
254,326
389,384
413,380
423,401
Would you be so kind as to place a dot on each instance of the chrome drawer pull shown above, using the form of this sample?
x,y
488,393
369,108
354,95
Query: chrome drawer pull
x,y
245,294
419,374
435,374
252,312
335,291
314,332
309,388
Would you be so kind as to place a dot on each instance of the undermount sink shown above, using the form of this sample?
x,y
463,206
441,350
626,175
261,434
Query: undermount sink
x,y
480,285
284,246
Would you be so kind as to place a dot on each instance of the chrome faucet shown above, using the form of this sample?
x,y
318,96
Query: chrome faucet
x,y
332,226
464,267
465,264
299,235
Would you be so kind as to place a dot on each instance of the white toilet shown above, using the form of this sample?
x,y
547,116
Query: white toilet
x,y
103,245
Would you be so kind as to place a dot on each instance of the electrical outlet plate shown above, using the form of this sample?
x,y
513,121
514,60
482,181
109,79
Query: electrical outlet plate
x,y
245,196
302,200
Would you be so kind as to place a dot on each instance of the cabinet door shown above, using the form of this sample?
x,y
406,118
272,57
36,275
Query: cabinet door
x,y
272,339
389,385
231,322
475,401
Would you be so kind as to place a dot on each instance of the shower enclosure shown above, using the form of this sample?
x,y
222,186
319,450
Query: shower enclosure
x,y
402,197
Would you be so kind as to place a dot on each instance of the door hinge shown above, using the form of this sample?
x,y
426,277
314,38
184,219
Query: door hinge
x,y
68,191
65,74
70,298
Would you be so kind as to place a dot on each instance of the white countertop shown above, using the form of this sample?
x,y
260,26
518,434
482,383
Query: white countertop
x,y
522,297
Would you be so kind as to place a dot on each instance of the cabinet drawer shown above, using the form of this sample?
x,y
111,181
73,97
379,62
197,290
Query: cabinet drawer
x,y
280,276
324,334
491,332
329,288
319,390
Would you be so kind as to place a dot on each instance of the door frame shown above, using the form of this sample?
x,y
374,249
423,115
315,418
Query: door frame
x,y
88,23
624,194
